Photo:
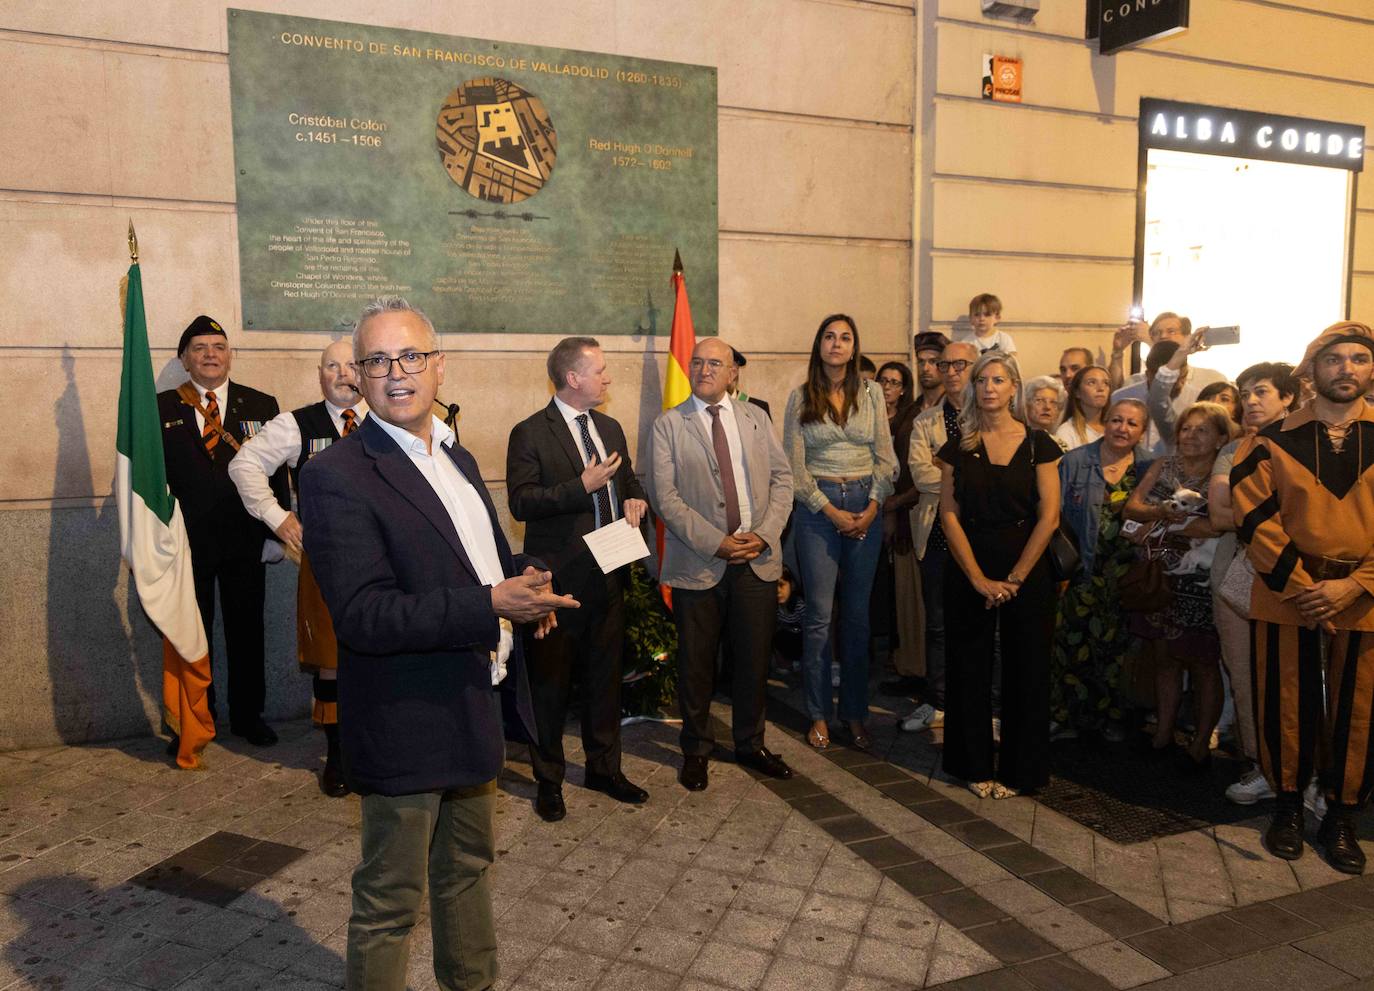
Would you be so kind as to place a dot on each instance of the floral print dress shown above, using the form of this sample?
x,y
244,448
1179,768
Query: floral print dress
x,y
1091,635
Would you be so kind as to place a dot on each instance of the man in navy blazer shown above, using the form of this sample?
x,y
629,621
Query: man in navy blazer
x,y
425,596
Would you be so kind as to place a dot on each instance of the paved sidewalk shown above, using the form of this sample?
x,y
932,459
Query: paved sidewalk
x,y
865,874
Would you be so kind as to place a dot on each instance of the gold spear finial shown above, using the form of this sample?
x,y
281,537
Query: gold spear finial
x,y
133,244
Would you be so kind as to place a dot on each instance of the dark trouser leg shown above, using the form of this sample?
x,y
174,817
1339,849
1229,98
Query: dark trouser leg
x,y
1350,742
599,648
459,895
933,568
698,615
1285,664
242,591
1027,635
752,614
550,663
968,698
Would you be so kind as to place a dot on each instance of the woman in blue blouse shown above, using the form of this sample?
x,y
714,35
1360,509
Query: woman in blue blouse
x,y
837,438
1091,637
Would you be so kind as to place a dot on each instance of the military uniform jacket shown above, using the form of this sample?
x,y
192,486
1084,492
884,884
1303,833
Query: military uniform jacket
x,y
218,526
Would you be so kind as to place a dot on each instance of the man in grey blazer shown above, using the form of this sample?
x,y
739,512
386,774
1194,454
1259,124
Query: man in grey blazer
x,y
721,484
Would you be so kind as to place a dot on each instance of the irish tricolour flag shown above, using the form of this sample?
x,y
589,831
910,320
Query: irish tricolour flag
x,y
152,539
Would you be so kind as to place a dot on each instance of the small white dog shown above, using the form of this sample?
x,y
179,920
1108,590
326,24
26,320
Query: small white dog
x,y
1200,554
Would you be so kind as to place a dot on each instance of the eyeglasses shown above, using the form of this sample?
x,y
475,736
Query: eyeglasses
x,y
895,382
378,366
955,366
715,364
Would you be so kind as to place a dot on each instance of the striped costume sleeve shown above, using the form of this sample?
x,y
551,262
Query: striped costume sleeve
x,y
1259,521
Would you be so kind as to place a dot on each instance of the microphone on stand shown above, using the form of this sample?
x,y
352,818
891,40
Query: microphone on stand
x,y
451,411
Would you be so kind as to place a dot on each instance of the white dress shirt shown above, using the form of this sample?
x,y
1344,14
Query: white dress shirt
x,y
465,510
570,416
732,440
277,443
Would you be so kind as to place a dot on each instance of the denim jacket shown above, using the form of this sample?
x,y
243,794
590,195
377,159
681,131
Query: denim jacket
x,y
1082,488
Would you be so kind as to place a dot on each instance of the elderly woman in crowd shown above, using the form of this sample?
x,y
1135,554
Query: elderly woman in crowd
x,y
1045,403
999,505
897,588
1267,392
1171,503
1091,637
1085,416
837,439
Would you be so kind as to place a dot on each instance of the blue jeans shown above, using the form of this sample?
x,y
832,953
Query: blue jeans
x,y
824,556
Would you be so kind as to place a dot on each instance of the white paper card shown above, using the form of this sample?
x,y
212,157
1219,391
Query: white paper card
x,y
616,545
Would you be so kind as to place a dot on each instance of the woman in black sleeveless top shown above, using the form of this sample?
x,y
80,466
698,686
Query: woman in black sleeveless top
x,y
999,505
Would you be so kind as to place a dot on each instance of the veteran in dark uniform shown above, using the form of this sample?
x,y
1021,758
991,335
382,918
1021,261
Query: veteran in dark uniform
x,y
204,422
291,440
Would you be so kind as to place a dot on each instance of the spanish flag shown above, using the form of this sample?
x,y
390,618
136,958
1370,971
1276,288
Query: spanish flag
x,y
152,536
676,386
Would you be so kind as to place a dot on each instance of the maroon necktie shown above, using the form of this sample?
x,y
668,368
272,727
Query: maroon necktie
x,y
727,470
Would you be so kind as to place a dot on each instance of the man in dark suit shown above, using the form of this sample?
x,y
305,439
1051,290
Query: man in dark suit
x,y
734,390
203,423
568,473
412,563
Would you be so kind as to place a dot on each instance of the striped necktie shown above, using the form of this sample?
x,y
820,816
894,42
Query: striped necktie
x,y
601,498
210,435
350,420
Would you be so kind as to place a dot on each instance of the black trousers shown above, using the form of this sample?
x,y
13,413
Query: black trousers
x,y
741,610
1027,633
588,642
242,591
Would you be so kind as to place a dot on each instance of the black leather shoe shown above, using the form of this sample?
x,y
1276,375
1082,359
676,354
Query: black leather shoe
x,y
693,775
764,761
549,803
259,733
331,779
1283,838
618,787
1338,838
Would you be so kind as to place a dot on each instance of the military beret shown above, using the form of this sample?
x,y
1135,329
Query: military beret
x,y
199,327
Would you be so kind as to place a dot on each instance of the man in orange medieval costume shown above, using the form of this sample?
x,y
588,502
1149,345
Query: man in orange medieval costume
x,y
1303,490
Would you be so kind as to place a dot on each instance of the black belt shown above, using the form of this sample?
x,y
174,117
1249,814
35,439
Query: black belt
x,y
1324,569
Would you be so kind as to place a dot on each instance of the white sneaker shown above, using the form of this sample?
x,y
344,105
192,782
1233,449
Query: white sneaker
x,y
1251,788
924,716
1313,800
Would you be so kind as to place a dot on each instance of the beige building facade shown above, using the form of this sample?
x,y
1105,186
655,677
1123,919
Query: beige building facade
x,y
860,171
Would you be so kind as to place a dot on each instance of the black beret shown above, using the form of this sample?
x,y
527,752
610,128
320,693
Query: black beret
x,y
199,327
739,359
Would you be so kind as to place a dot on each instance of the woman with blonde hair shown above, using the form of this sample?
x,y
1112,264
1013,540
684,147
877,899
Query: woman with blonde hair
x,y
999,506
1171,500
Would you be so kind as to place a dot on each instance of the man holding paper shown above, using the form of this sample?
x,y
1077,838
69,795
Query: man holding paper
x,y
723,488
568,474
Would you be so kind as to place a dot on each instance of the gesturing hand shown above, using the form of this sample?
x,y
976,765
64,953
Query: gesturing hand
x,y
529,598
598,473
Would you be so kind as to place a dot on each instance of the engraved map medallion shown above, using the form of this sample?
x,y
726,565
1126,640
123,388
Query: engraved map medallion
x,y
496,140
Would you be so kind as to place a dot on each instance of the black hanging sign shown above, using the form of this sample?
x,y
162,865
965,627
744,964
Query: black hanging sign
x,y
1121,24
